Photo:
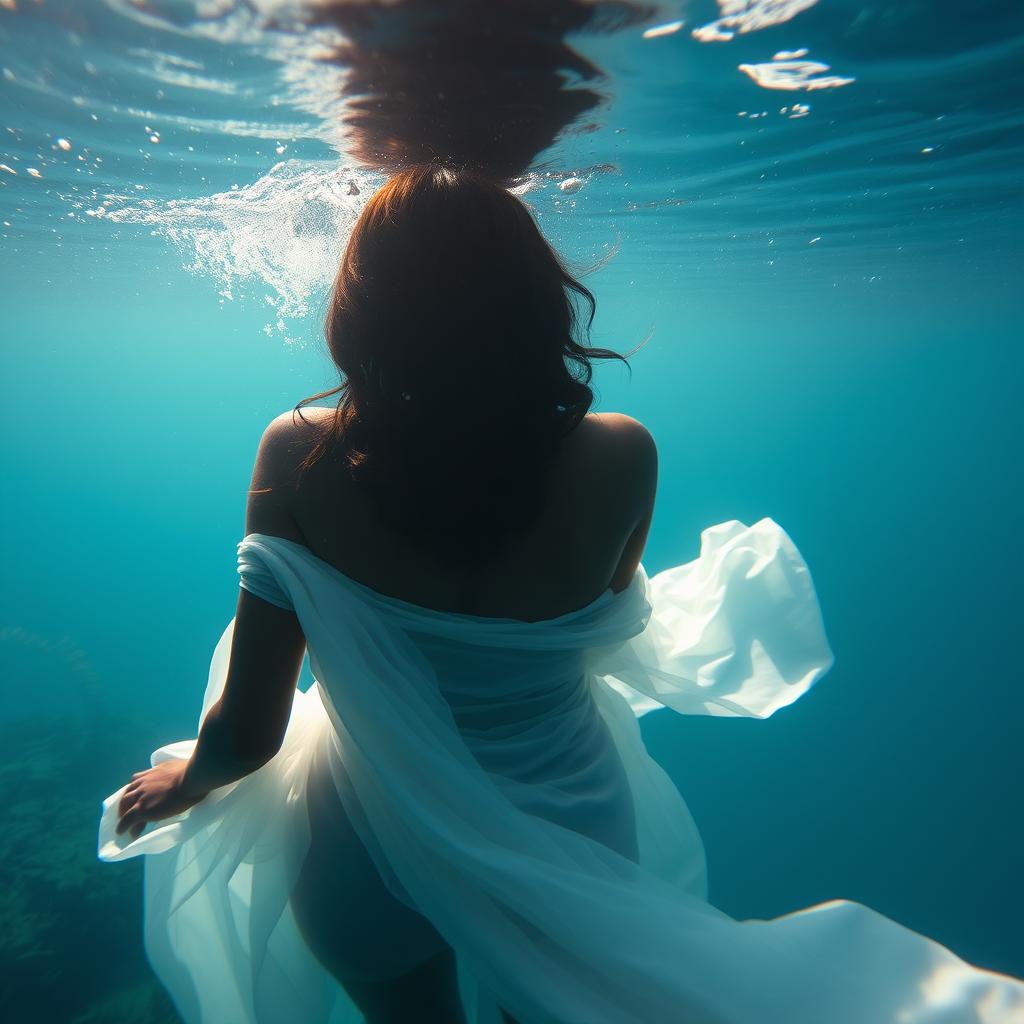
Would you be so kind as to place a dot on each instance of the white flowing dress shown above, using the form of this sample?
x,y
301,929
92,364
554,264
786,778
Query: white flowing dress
x,y
479,753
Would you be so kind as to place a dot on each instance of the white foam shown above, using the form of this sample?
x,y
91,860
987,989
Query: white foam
x,y
285,231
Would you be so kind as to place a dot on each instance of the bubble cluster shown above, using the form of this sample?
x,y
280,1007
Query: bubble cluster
x,y
286,230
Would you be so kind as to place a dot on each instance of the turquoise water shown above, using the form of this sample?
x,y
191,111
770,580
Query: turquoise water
x,y
833,306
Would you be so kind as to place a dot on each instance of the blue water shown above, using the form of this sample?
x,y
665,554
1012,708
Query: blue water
x,y
833,302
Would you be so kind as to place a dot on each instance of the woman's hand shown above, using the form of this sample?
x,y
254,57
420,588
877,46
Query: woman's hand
x,y
153,794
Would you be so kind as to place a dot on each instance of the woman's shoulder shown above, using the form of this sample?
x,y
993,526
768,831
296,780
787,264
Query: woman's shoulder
x,y
292,432
286,442
624,428
616,459
616,434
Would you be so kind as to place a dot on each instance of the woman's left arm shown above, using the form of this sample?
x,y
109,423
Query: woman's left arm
x,y
245,727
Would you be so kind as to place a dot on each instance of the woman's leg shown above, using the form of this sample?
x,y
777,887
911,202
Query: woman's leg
x,y
392,962
428,993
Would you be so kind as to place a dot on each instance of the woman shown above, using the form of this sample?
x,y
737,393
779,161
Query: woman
x,y
462,814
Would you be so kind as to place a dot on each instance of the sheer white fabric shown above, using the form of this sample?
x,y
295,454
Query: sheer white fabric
x,y
484,755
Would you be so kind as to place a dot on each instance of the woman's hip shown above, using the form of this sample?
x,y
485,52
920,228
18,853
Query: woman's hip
x,y
348,916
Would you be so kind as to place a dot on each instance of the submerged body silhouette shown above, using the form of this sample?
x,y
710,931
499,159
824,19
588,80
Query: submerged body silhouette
x,y
389,957
460,819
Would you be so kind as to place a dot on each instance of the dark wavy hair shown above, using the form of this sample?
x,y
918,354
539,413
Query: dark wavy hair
x,y
459,336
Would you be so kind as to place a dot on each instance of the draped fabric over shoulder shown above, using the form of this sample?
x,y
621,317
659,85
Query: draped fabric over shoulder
x,y
487,760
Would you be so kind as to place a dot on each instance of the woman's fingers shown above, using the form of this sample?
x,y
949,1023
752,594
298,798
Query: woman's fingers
x,y
134,819
127,802
131,793
150,796
131,811
126,822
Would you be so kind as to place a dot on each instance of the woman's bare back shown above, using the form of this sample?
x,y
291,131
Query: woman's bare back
x,y
596,511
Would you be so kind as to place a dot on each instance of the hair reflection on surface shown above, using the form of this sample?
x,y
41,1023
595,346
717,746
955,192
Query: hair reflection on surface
x,y
488,85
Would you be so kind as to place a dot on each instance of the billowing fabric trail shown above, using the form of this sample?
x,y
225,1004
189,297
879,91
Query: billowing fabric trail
x,y
490,766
